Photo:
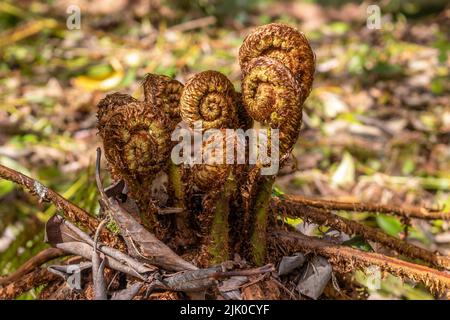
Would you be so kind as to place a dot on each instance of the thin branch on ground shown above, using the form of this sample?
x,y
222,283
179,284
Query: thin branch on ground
x,y
345,259
350,227
70,210
42,257
31,280
402,211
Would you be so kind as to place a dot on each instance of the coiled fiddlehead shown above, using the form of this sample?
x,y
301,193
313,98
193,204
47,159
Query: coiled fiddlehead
x,y
285,44
111,102
209,97
164,93
272,97
278,70
218,180
135,140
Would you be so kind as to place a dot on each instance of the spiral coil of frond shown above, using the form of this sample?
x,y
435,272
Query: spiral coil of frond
x,y
135,139
277,73
217,176
272,97
209,97
110,103
285,44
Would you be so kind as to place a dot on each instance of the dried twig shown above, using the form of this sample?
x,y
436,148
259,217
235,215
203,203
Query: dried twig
x,y
113,253
98,267
85,250
98,276
42,257
26,283
350,227
288,291
71,211
128,293
403,211
247,272
345,259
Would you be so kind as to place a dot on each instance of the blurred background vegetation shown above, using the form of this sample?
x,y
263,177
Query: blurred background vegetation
x,y
376,126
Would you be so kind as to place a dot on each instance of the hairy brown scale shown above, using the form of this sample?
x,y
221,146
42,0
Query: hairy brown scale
x,y
164,93
272,97
208,175
209,97
218,146
111,102
284,44
245,120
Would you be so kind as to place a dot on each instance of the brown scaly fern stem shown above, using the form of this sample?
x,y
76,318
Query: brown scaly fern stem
x,y
164,93
207,176
136,141
219,182
277,73
209,99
